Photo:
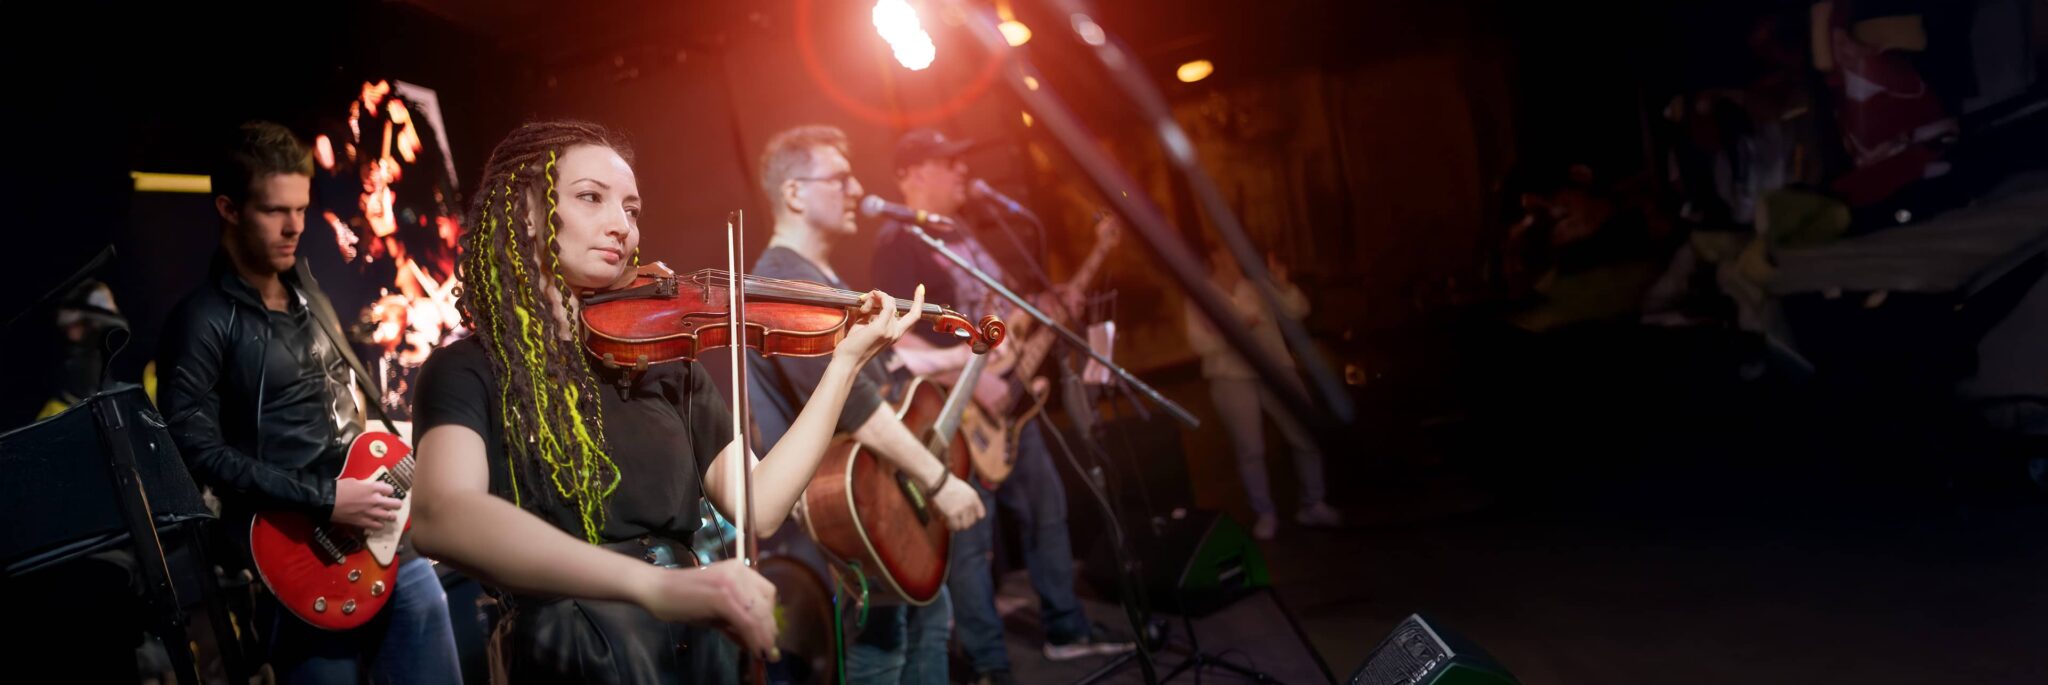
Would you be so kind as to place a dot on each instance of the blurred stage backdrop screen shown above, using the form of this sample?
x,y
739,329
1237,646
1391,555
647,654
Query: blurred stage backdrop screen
x,y
383,230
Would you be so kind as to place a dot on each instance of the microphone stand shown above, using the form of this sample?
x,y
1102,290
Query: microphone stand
x,y
995,286
1029,256
1090,433
1152,225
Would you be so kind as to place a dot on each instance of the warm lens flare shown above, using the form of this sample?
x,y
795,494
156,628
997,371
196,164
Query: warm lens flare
x,y
1195,71
1015,32
897,21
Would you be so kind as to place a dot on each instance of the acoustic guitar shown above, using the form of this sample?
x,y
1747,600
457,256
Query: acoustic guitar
x,y
867,513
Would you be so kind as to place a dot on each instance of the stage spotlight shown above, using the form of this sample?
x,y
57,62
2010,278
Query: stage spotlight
x,y
897,21
1015,32
1194,71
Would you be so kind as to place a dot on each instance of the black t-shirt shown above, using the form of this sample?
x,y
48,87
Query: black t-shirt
x,y
306,383
662,429
779,387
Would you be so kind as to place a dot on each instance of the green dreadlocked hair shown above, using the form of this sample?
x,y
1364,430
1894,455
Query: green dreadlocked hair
x,y
554,424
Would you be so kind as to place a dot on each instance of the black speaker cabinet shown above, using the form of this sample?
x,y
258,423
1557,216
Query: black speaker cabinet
x,y
1421,653
1191,565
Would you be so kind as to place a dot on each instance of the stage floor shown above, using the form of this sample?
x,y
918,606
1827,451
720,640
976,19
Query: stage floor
x,y
1627,511
1561,599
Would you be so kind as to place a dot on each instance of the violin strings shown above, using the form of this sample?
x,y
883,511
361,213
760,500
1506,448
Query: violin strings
x,y
763,285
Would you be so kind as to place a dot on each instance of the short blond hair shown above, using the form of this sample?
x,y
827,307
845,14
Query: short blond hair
x,y
789,152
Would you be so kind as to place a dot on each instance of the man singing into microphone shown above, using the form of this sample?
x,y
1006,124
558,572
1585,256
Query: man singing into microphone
x,y
934,180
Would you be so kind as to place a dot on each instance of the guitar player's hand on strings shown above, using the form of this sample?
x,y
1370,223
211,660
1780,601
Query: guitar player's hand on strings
x,y
958,504
365,504
1071,301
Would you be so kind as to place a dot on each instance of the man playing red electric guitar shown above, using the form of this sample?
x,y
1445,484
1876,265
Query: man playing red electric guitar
x,y
257,390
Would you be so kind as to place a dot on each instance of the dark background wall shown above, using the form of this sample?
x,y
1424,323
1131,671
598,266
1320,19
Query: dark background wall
x,y
1363,142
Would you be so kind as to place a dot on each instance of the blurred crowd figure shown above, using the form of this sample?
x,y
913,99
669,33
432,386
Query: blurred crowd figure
x,y
1241,399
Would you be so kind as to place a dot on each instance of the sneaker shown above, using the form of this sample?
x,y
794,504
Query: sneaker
x,y
1319,515
996,678
1267,526
1096,643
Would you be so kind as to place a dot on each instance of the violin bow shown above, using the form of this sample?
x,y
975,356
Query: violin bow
x,y
744,535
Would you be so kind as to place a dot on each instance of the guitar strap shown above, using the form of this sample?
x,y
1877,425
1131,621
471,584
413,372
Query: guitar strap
x,y
330,325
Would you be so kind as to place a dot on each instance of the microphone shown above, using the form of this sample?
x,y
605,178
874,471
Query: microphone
x,y
873,206
981,190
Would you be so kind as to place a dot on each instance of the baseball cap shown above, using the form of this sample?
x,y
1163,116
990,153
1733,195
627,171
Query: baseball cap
x,y
924,144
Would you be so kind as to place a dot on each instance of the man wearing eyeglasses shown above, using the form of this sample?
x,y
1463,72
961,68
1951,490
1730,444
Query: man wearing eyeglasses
x,y
813,193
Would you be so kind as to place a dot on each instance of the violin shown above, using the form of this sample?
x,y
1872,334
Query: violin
x,y
662,316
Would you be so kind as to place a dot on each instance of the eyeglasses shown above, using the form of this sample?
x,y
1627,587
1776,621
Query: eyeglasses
x,y
843,179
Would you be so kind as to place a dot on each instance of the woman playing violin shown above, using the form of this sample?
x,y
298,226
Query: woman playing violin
x,y
571,488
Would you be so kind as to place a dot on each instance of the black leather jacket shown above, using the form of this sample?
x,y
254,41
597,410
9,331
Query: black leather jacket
x,y
257,452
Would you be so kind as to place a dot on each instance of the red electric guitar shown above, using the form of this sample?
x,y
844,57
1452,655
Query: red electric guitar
x,y
337,576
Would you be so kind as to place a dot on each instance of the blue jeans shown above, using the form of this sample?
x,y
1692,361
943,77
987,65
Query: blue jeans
x,y
902,644
1035,496
408,642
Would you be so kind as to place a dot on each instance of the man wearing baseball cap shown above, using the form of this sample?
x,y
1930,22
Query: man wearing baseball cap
x,y
933,176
